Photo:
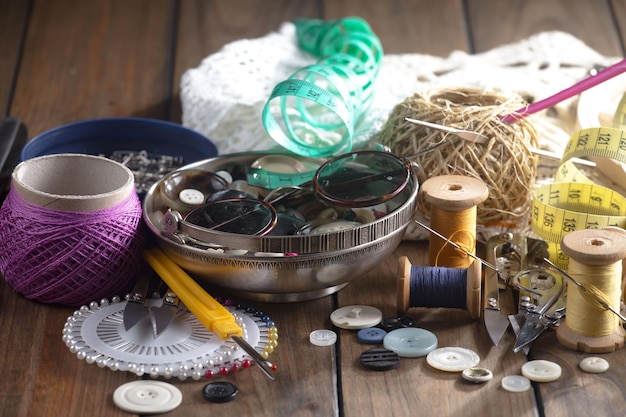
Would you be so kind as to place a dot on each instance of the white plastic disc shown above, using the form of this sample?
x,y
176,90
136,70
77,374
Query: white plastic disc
x,y
185,349
452,359
541,371
515,383
594,365
356,317
191,197
322,337
147,397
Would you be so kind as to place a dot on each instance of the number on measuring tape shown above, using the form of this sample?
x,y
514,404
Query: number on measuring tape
x,y
604,142
575,202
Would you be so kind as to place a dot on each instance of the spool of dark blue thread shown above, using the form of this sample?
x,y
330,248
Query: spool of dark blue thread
x,y
438,287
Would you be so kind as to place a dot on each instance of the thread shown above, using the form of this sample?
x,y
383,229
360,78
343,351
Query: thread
x,y
438,287
505,163
460,228
454,200
585,311
595,266
69,258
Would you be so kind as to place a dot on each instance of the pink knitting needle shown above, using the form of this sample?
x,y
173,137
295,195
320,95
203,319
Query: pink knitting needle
x,y
579,87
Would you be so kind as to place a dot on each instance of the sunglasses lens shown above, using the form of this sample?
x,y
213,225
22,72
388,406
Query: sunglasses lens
x,y
361,179
234,215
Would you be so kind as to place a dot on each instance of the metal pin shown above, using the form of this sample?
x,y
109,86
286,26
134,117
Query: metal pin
x,y
457,246
263,363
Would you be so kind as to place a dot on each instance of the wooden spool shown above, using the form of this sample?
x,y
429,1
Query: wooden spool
x,y
452,194
474,274
593,248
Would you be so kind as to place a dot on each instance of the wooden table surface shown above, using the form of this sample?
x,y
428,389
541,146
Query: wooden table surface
x,y
66,60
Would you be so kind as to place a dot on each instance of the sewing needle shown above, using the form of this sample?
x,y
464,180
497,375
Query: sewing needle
x,y
480,138
456,246
583,288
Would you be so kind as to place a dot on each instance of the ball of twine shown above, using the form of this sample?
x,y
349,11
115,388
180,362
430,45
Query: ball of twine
x,y
69,258
505,163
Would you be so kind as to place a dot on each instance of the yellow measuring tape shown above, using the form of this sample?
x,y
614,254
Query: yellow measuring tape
x,y
574,201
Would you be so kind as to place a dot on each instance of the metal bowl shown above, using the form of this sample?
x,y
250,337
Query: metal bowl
x,y
326,264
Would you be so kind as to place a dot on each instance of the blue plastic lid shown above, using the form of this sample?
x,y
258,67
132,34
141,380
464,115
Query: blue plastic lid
x,y
106,135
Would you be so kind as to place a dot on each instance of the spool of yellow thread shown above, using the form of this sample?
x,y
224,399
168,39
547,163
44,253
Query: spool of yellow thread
x,y
596,264
453,214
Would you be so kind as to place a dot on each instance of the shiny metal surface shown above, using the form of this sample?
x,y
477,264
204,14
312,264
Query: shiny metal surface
x,y
342,257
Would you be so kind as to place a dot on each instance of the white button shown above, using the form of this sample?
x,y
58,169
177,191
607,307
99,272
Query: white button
x,y
541,371
356,317
594,365
515,383
410,342
452,359
337,226
191,197
226,175
141,397
477,375
322,337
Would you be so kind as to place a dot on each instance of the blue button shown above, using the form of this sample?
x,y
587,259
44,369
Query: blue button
x,y
371,335
410,342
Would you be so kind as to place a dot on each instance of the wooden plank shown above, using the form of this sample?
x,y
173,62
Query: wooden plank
x,y
94,59
619,14
494,23
404,26
81,60
12,24
414,384
578,393
575,393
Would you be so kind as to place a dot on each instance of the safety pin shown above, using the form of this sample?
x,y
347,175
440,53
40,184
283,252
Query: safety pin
x,y
457,246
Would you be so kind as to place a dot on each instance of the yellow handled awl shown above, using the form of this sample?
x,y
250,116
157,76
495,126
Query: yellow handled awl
x,y
207,309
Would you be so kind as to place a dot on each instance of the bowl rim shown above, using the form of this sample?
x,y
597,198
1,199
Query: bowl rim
x,y
301,244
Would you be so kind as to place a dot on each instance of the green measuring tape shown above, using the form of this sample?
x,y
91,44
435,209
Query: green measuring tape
x,y
267,179
313,113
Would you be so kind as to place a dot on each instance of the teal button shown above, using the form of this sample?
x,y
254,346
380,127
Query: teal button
x,y
410,342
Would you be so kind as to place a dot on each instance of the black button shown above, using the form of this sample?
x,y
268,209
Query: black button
x,y
219,392
394,323
379,359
